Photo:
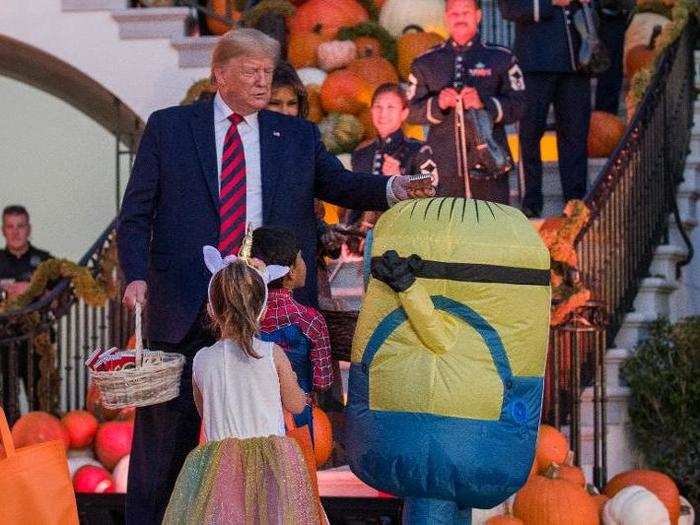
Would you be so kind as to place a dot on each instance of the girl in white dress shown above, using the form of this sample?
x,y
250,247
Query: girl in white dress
x,y
247,471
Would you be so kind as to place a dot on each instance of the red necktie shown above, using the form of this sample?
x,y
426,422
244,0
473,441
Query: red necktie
x,y
232,192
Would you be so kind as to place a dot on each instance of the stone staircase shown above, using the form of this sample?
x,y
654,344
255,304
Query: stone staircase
x,y
160,22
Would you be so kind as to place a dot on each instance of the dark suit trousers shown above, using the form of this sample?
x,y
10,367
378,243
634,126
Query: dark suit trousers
x,y
163,436
607,92
571,95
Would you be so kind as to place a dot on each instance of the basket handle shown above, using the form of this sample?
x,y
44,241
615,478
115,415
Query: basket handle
x,y
138,335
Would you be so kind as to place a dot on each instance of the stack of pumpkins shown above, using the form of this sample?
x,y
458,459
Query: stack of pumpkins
x,y
98,443
556,493
342,57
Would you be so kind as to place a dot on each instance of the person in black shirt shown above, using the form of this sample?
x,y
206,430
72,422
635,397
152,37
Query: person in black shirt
x,y
19,259
547,45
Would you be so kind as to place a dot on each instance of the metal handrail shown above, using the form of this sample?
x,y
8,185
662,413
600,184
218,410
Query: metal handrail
x,y
635,193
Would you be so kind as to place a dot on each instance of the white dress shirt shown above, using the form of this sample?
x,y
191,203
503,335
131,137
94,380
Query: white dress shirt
x,y
249,131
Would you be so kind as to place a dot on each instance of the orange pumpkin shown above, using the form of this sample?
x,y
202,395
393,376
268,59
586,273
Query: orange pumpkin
x,y
313,93
376,70
81,426
548,500
345,92
412,45
572,474
604,133
219,7
328,16
504,520
552,447
38,427
642,56
368,46
534,469
323,436
302,48
660,484
113,442
600,500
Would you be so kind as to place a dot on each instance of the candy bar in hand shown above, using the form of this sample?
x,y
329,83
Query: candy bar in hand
x,y
420,185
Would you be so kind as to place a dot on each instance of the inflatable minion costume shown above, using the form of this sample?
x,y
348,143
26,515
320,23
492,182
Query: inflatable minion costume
x,y
448,357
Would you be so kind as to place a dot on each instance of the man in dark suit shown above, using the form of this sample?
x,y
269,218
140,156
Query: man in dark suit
x,y
547,46
201,174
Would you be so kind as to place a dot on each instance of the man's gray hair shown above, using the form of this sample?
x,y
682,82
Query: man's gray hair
x,y
244,41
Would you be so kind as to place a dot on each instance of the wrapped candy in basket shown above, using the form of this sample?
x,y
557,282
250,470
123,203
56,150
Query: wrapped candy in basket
x,y
135,378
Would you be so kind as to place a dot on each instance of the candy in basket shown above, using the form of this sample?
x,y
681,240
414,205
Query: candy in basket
x,y
139,378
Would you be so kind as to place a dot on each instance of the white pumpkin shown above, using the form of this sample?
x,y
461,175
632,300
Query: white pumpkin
x,y
121,475
336,54
639,31
397,15
312,75
687,513
635,505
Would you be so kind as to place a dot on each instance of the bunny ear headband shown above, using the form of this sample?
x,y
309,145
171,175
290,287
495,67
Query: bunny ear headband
x,y
215,263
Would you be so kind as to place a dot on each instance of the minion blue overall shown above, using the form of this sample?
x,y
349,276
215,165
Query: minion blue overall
x,y
448,357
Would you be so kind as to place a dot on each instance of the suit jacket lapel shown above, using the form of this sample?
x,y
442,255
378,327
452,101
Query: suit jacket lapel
x,y
203,131
271,154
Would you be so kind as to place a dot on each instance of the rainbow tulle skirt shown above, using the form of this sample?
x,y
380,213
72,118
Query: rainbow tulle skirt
x,y
256,481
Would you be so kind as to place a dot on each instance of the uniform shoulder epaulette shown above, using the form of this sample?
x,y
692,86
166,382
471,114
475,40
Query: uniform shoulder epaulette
x,y
430,50
498,48
362,145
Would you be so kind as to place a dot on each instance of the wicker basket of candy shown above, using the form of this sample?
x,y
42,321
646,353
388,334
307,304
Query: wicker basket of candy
x,y
135,378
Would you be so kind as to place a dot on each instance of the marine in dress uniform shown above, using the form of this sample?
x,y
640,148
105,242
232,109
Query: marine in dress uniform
x,y
547,45
495,74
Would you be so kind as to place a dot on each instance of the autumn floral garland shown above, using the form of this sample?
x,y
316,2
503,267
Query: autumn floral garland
x,y
93,290
559,234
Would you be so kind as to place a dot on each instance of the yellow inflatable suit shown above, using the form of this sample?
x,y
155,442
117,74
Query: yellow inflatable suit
x,y
449,352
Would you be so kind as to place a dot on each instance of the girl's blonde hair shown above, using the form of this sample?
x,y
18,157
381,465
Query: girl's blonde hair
x,y
236,300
